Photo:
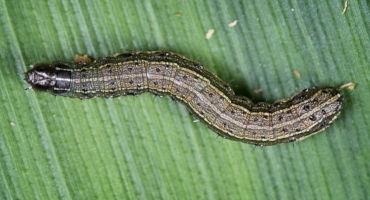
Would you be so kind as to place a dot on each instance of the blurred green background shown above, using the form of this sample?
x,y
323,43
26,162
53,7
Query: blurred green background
x,y
150,147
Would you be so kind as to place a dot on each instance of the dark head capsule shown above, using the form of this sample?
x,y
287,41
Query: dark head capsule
x,y
44,77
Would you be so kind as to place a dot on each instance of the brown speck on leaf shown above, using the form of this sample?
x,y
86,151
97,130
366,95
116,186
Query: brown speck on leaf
x,y
233,23
345,7
82,59
178,14
210,33
296,73
348,86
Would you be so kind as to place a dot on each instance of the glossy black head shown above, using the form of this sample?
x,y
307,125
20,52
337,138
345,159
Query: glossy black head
x,y
45,77
41,77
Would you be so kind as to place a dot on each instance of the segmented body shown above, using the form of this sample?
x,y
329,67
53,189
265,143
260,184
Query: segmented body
x,y
207,96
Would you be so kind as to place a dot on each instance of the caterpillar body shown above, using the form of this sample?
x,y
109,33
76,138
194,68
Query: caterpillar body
x,y
210,98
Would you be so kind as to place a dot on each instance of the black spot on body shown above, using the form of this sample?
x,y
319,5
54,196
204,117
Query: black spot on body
x,y
131,82
157,69
162,54
312,118
306,107
280,118
337,108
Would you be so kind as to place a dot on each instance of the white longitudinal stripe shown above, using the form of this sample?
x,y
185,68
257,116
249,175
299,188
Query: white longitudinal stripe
x,y
327,102
63,79
255,127
308,128
223,114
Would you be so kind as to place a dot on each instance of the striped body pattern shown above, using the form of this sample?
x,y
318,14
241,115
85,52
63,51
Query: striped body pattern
x,y
210,98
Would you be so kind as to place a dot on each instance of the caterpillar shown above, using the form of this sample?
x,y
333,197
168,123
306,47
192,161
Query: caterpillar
x,y
206,95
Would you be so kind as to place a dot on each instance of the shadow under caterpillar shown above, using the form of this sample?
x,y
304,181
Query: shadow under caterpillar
x,y
210,98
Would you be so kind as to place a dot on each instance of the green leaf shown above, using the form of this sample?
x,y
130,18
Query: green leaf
x,y
151,147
